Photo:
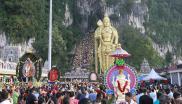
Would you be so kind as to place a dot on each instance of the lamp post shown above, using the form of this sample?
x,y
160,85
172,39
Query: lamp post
x,y
50,36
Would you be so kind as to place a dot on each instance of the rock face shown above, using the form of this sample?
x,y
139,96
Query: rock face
x,y
68,20
163,49
87,12
2,40
138,14
121,12
12,52
82,15
92,10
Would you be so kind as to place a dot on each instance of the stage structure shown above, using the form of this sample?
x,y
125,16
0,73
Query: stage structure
x,y
29,68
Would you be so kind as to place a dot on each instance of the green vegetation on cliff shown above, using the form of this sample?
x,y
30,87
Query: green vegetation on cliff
x,y
24,19
139,47
165,22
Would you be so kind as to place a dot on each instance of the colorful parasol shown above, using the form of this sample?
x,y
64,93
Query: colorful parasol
x,y
120,53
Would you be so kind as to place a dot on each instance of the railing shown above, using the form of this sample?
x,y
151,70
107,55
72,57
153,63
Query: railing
x,y
7,67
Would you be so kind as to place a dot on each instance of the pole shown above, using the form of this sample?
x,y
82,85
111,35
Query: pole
x,y
50,36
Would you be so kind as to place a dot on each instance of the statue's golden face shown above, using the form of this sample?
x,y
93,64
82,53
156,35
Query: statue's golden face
x,y
106,22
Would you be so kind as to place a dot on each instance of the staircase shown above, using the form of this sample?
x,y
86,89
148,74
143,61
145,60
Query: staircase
x,y
84,52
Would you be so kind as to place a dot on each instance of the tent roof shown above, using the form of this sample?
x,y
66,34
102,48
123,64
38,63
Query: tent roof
x,y
153,75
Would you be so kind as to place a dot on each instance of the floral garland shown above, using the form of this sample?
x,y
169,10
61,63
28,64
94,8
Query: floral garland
x,y
119,86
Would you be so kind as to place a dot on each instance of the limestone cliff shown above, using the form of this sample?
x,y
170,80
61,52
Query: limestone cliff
x,y
122,12
147,28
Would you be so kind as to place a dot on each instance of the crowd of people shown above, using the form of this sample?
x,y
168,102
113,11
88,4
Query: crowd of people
x,y
86,93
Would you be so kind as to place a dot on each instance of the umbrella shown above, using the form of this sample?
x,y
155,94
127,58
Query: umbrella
x,y
119,52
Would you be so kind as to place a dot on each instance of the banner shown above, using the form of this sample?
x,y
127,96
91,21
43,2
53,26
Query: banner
x,y
53,75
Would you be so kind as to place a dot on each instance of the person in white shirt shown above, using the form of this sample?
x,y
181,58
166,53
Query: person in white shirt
x,y
169,93
153,95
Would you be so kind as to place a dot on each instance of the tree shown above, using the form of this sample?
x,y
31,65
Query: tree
x,y
22,20
139,47
59,54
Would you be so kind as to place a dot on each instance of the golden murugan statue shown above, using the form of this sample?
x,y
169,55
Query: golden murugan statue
x,y
106,41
